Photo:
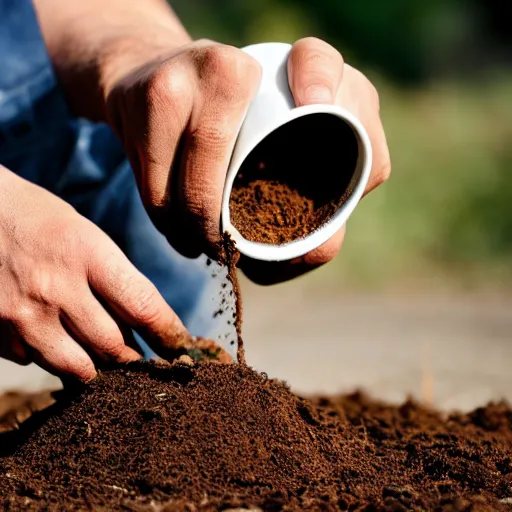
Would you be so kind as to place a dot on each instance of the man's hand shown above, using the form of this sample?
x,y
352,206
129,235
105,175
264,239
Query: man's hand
x,y
68,295
318,74
178,117
177,105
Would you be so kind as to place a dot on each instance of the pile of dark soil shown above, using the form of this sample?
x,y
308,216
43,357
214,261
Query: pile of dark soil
x,y
212,437
294,180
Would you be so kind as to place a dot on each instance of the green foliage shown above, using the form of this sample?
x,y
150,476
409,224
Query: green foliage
x,y
408,41
447,210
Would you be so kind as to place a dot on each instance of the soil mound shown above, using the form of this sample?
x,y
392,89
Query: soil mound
x,y
208,436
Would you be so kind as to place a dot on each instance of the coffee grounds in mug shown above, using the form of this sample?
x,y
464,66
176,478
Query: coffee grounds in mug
x,y
271,212
295,180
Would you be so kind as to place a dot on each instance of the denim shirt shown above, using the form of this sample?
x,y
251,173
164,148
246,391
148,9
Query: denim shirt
x,y
82,162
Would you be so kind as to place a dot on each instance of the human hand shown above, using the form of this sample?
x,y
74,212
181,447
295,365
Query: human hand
x,y
68,295
177,105
178,115
318,74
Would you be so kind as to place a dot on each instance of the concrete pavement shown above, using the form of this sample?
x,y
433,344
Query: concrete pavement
x,y
452,350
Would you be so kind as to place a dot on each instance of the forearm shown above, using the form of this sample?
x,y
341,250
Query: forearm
x,y
91,42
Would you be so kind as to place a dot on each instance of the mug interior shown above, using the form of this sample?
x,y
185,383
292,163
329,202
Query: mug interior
x,y
296,179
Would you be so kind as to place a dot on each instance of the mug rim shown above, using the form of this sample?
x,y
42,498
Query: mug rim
x,y
301,246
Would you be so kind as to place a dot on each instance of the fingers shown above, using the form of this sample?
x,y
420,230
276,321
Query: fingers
x,y
167,110
169,97
317,74
229,80
189,112
315,71
97,331
134,299
42,340
265,273
358,95
52,348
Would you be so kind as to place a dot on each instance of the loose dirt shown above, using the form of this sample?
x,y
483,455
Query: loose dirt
x,y
230,258
209,436
294,180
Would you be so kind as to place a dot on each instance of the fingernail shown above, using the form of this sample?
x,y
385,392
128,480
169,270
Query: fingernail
x,y
318,94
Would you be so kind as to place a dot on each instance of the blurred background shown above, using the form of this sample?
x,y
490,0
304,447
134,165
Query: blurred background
x,y
419,302
444,72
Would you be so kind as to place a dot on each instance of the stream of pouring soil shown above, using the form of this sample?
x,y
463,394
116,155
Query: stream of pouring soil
x,y
231,257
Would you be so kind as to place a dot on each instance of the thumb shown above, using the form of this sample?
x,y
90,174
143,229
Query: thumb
x,y
315,70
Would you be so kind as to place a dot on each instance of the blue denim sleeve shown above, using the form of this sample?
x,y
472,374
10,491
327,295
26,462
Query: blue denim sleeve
x,y
83,163
34,118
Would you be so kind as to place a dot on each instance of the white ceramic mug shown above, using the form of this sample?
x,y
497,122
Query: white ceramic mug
x,y
272,108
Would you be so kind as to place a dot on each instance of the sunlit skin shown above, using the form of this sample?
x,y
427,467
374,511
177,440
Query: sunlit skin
x,y
68,295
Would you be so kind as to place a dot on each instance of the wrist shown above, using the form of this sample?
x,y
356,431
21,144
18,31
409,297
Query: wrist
x,y
131,51
92,44
87,86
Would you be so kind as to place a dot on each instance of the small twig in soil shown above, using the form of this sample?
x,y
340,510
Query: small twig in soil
x,y
116,488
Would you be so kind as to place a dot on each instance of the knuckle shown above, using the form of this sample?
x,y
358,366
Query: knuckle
x,y
167,84
142,299
314,51
24,316
229,71
146,309
219,59
210,138
42,287
158,87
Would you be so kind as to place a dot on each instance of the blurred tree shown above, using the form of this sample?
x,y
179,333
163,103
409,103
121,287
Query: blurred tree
x,y
409,41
